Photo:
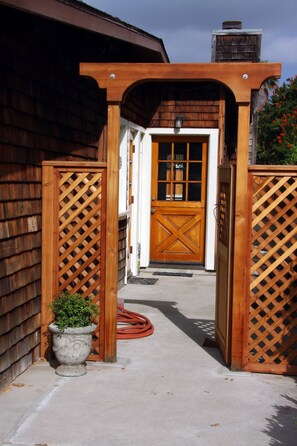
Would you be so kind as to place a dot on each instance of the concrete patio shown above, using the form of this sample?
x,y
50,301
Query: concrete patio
x,y
165,390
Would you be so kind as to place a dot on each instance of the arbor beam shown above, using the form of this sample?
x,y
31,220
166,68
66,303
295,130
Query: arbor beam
x,y
241,78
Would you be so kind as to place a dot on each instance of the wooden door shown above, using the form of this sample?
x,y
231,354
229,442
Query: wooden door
x,y
224,261
178,199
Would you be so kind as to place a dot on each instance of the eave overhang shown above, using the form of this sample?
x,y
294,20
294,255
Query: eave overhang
x,y
80,15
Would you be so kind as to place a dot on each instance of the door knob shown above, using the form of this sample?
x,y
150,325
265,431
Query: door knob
x,y
153,210
153,198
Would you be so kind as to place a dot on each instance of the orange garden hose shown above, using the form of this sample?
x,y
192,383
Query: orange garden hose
x,y
132,325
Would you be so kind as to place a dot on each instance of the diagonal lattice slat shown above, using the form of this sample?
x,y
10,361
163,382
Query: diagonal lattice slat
x,y
81,240
273,292
223,210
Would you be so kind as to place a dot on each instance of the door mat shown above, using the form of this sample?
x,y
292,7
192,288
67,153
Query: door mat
x,y
157,273
142,281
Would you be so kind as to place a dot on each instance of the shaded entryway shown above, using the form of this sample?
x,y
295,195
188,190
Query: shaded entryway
x,y
239,79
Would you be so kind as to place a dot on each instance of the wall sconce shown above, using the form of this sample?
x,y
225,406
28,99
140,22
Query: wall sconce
x,y
178,122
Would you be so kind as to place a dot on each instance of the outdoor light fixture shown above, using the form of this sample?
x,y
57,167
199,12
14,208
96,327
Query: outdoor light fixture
x,y
178,122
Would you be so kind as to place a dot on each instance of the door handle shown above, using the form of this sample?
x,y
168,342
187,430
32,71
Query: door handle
x,y
153,210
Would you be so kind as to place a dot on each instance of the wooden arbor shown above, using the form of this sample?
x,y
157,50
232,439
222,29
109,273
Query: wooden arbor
x,y
241,79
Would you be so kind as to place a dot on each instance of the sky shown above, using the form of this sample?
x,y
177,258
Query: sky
x,y
185,26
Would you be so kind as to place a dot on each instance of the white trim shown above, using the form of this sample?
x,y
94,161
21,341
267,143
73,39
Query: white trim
x,y
212,173
134,261
135,133
123,168
145,198
145,193
141,184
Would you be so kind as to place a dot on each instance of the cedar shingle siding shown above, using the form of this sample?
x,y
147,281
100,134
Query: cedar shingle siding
x,y
157,104
47,112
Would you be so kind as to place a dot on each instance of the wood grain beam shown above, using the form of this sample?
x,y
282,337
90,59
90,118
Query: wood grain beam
x,y
112,221
241,78
241,241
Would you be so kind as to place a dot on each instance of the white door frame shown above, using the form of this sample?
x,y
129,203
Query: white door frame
x,y
146,174
141,182
131,132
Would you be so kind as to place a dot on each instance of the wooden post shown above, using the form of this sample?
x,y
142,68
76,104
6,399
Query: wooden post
x,y
49,244
241,239
112,221
222,157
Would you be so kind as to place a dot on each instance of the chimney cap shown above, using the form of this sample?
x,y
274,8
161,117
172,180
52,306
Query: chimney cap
x,y
232,24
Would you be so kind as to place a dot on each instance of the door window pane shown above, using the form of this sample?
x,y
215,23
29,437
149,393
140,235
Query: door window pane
x,y
180,151
179,190
195,151
194,192
180,167
164,191
164,151
195,170
179,171
163,168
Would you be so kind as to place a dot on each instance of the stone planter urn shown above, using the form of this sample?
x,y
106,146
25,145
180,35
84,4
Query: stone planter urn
x,y
72,347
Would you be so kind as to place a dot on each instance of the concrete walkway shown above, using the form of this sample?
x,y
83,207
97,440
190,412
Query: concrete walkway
x,y
165,390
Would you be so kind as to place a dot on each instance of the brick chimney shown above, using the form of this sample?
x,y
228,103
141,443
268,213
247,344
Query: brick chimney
x,y
234,44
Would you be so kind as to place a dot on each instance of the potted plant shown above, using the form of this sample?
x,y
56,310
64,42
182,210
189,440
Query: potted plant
x,y
72,330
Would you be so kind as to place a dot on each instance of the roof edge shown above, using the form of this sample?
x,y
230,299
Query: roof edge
x,y
78,14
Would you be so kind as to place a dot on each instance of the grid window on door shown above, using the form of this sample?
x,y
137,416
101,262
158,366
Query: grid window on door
x,y
180,171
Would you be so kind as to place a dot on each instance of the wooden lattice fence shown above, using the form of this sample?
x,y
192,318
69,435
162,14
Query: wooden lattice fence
x,y
73,242
272,324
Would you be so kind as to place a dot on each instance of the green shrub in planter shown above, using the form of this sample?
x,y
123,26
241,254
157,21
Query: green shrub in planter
x,y
73,310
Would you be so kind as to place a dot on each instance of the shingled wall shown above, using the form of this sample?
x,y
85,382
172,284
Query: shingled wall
x,y
47,112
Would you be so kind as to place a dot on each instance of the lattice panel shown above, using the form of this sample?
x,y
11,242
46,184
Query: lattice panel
x,y
223,217
273,291
81,240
